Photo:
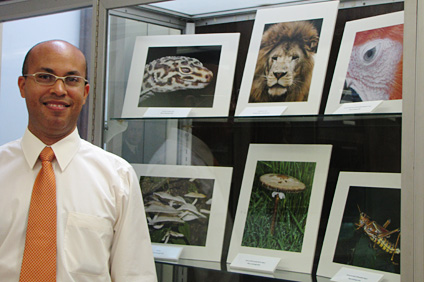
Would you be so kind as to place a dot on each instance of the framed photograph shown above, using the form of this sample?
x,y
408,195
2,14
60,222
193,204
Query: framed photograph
x,y
369,65
279,207
287,59
186,206
363,231
192,72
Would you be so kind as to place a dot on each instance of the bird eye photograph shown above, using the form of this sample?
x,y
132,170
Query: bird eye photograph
x,y
375,66
369,66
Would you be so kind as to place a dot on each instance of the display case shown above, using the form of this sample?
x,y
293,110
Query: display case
x,y
367,142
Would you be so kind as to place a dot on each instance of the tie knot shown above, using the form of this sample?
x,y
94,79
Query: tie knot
x,y
47,154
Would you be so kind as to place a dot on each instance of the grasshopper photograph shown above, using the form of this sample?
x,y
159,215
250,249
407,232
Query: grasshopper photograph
x,y
370,231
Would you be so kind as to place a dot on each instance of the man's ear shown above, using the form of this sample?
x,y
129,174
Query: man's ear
x,y
21,84
86,90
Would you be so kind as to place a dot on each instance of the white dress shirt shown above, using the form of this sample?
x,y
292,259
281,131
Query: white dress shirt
x,y
102,232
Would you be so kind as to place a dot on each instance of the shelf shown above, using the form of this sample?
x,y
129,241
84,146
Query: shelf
x,y
292,118
210,271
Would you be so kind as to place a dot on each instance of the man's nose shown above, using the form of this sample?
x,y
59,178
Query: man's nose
x,y
59,86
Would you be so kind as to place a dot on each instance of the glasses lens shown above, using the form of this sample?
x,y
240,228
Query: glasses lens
x,y
73,80
45,78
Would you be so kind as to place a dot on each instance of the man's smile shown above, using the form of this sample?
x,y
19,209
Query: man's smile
x,y
56,105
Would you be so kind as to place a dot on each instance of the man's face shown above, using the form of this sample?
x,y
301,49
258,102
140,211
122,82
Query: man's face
x,y
134,133
53,110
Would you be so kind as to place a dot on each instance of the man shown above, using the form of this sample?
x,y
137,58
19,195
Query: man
x,y
101,227
132,142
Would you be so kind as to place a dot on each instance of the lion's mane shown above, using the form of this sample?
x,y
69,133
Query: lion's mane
x,y
302,33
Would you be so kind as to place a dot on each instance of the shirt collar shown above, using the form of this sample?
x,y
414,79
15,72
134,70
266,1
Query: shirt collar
x,y
64,150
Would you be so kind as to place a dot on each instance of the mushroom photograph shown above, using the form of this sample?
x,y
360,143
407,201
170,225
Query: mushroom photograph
x,y
177,209
278,205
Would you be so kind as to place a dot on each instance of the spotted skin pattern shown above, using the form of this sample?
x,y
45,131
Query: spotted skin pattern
x,y
172,73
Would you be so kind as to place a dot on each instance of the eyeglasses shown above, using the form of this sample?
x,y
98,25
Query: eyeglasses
x,y
50,79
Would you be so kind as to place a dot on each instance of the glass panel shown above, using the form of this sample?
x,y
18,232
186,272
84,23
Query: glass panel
x,y
363,143
124,137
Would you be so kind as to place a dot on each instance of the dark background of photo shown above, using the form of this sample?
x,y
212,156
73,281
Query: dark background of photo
x,y
353,246
316,22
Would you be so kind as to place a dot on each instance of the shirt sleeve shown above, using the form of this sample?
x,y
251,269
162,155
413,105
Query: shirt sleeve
x,y
131,254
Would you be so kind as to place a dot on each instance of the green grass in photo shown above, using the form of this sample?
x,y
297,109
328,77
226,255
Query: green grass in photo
x,y
291,211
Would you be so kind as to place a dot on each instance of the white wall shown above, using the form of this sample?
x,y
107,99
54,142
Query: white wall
x,y
16,39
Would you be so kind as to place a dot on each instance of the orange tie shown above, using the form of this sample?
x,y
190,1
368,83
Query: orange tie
x,y
39,261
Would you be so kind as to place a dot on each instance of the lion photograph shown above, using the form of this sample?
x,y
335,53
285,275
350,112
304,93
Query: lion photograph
x,y
285,62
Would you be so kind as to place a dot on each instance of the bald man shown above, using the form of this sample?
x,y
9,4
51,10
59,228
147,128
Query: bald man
x,y
101,227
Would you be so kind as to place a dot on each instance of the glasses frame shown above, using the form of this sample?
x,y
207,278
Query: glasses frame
x,y
56,78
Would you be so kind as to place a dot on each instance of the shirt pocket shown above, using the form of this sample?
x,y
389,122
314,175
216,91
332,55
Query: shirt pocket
x,y
87,244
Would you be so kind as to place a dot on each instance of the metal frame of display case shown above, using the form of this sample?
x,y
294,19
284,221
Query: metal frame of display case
x,y
98,72
412,118
412,144
411,201
412,122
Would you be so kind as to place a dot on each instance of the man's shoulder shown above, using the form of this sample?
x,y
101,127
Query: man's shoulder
x,y
11,153
11,147
105,162
102,154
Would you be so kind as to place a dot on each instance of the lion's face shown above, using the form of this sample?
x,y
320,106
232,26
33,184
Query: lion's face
x,y
283,67
285,63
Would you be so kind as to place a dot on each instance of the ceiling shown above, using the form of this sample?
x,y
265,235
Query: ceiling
x,y
198,7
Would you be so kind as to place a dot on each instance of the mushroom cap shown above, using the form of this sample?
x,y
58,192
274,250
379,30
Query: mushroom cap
x,y
281,183
157,207
195,195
